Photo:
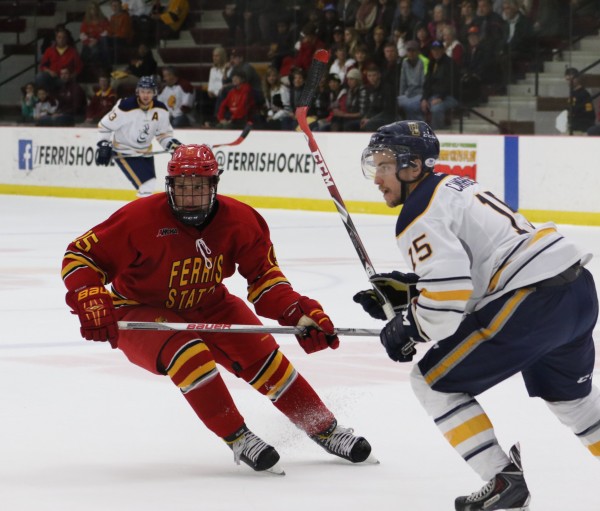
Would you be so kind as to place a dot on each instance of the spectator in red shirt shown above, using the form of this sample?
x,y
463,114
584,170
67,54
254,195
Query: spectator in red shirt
x,y
93,33
237,107
56,57
309,43
101,102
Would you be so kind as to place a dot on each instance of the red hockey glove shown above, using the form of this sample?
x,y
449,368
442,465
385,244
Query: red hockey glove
x,y
319,333
96,313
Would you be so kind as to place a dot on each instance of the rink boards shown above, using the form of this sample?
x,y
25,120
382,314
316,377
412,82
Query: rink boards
x,y
546,177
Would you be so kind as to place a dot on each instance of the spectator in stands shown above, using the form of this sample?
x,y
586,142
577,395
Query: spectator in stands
x,y
49,39
423,39
346,10
391,70
363,60
142,64
581,108
321,105
329,23
277,111
338,36
441,86
281,47
518,40
342,63
491,25
404,20
309,43
28,102
71,102
335,92
351,40
385,15
412,80
101,102
238,62
238,106
466,21
346,117
375,43
56,57
233,14
143,25
297,78
548,22
438,22
379,108
93,33
479,67
365,17
216,75
453,47
259,17
120,33
45,106
170,19
179,96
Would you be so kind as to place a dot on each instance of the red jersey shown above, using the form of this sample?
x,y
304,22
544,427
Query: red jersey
x,y
153,259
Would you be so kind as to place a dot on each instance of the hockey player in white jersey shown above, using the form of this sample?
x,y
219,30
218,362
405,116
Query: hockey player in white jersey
x,y
127,131
496,295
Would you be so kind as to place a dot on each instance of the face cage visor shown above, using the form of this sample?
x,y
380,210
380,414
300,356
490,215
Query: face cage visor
x,y
195,196
384,159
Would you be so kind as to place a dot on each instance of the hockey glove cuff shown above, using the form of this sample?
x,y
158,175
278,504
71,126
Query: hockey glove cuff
x,y
103,153
319,331
399,335
173,144
399,288
96,312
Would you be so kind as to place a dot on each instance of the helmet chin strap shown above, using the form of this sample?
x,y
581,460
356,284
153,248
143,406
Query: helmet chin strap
x,y
404,193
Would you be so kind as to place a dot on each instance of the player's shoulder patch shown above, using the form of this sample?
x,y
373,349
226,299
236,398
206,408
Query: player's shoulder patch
x,y
419,200
128,104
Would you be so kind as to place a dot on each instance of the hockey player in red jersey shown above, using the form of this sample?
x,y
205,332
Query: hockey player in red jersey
x,y
167,257
495,295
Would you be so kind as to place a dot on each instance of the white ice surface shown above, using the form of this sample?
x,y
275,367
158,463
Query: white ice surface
x,y
81,429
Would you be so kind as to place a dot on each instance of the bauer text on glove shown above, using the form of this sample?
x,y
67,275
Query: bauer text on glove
x,y
319,331
96,313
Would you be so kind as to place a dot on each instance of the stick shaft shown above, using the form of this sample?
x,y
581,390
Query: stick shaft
x,y
236,329
315,73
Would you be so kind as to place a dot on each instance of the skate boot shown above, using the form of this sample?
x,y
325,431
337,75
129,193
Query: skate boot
x,y
343,443
507,491
253,451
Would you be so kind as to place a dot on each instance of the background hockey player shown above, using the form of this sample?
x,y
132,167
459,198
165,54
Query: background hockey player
x,y
127,131
496,295
167,257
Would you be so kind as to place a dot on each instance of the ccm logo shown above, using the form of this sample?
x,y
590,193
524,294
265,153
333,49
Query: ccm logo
x,y
585,378
204,326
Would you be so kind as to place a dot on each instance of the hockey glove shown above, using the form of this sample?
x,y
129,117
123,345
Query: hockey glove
x,y
103,153
173,144
399,335
96,312
319,332
396,286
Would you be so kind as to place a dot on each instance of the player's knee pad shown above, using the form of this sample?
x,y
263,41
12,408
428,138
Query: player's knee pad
x,y
583,417
191,366
271,376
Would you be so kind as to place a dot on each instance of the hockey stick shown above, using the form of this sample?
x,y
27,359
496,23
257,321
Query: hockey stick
x,y
238,329
238,140
317,68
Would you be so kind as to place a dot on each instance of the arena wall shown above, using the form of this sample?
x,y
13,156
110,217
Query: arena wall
x,y
548,178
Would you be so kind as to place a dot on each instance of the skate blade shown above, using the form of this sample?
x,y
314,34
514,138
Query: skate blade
x,y
371,460
275,470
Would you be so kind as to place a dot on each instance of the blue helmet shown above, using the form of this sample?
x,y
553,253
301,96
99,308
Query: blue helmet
x,y
407,140
147,82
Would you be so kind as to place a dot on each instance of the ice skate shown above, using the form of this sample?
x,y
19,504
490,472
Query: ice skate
x,y
507,491
253,451
343,443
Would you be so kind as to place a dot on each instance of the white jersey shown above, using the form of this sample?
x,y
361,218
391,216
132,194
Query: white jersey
x,y
179,98
131,129
469,248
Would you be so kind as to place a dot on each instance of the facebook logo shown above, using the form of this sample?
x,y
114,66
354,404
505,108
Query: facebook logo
x,y
25,155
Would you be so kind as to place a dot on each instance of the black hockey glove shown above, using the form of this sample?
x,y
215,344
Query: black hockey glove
x,y
396,286
103,153
399,335
173,144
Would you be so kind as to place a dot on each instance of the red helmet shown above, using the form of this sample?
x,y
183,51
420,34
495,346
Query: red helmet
x,y
193,160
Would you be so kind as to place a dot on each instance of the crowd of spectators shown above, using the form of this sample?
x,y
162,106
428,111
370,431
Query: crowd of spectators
x,y
390,60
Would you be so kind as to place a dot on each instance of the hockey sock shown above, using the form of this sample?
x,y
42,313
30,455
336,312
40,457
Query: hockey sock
x,y
191,366
464,424
583,417
276,378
